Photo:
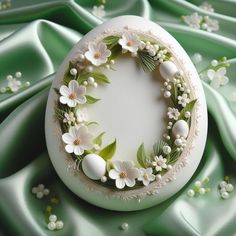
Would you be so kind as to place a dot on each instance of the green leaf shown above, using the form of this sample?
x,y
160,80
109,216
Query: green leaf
x,y
56,90
115,52
109,165
146,61
91,100
108,152
67,76
157,147
111,40
99,77
141,156
91,123
189,107
98,139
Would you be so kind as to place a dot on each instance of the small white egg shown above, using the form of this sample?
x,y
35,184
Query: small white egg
x,y
168,69
180,128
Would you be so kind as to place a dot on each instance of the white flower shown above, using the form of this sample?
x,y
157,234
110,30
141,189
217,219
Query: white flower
x,y
196,58
99,11
211,24
146,176
124,173
207,7
78,139
218,77
159,163
97,53
82,115
69,118
73,94
193,20
130,42
183,100
14,84
173,113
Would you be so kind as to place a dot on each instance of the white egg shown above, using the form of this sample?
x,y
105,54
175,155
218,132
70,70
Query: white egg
x,y
180,128
168,69
94,166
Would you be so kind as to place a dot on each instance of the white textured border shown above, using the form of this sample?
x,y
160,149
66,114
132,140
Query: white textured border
x,y
147,196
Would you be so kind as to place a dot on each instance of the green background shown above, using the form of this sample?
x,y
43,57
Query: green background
x,y
35,36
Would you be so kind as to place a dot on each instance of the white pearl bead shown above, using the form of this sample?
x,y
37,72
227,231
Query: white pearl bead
x,y
91,80
225,195
169,167
41,187
3,89
59,225
46,191
85,83
178,142
167,69
104,179
187,114
204,26
81,57
223,184
229,187
180,128
169,87
158,177
202,191
53,218
190,193
34,190
112,62
214,63
89,68
166,149
39,195
95,85
18,74
73,71
222,190
51,226
198,184
27,83
107,66
167,94
124,226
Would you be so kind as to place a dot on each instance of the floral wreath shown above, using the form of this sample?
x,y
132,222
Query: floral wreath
x,y
88,152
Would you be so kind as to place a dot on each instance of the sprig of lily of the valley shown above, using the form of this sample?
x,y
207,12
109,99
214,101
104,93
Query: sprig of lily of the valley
x,y
87,70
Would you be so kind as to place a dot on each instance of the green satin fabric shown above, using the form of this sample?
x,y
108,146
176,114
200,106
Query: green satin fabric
x,y
35,37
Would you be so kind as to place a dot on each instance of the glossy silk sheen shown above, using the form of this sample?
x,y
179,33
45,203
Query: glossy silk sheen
x,y
35,37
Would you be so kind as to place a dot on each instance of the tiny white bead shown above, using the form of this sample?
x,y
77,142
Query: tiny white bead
x,y
169,167
53,218
170,123
165,84
223,184
9,77
96,147
225,195
168,137
166,149
214,63
177,149
46,191
95,85
112,62
158,177
18,74
89,68
169,87
229,187
187,114
124,226
27,83
59,225
178,142
73,71
191,193
202,191
3,89
41,187
51,226
167,94
91,80
104,179
198,184
81,57
85,83
39,195
168,127
182,89
204,26
107,66
34,190
222,190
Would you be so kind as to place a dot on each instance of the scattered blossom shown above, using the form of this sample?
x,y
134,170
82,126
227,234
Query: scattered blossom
x,y
207,7
97,53
124,173
78,139
14,85
99,11
159,163
40,191
73,94
218,77
130,42
211,24
69,118
193,20
183,100
173,113
82,115
196,58
146,176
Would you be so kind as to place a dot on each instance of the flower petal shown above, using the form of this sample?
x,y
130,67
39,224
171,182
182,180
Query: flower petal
x,y
129,182
69,148
63,100
221,72
71,103
133,173
64,90
73,86
113,174
78,150
118,165
68,138
120,183
81,100
224,80
211,74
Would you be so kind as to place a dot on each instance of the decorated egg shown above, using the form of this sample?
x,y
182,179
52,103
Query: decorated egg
x,y
180,128
168,69
94,166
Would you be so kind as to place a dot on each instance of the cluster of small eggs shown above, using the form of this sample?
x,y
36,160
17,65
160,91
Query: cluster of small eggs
x,y
198,188
40,191
55,224
225,189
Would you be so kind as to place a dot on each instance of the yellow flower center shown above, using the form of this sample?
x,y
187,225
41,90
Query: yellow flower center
x,y
123,174
72,96
77,142
145,177
130,43
97,55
